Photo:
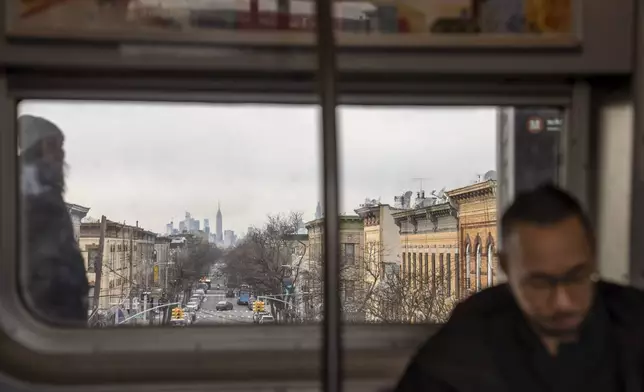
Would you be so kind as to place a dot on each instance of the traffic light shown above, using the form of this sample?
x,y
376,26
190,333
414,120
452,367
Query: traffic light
x,y
177,313
260,306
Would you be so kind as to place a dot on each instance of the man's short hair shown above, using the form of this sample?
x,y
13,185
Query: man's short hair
x,y
544,206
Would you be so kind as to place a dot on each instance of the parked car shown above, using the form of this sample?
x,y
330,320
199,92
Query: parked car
x,y
224,305
267,319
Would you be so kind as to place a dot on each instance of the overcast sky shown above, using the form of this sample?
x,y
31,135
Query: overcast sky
x,y
151,162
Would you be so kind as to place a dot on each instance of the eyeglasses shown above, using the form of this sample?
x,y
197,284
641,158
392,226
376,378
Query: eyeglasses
x,y
542,288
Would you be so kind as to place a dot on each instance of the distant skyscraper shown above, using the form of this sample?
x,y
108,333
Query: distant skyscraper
x,y
229,238
318,211
169,228
220,225
206,226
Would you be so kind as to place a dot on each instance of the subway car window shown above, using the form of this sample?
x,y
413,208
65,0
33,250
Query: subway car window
x,y
418,230
356,22
160,214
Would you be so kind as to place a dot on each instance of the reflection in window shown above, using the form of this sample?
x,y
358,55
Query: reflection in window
x,y
354,20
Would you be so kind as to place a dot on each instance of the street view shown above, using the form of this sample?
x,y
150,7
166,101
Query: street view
x,y
189,214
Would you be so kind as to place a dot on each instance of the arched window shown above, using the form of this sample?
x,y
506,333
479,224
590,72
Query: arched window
x,y
490,265
468,268
478,267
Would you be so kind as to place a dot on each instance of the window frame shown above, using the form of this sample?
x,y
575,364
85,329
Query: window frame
x,y
86,351
587,50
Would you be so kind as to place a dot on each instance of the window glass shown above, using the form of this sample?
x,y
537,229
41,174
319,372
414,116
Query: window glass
x,y
417,184
140,214
357,22
180,214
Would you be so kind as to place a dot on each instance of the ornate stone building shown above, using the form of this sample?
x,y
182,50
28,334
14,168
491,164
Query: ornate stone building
x,y
477,233
429,244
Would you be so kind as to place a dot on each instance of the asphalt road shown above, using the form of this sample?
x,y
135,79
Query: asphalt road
x,y
209,315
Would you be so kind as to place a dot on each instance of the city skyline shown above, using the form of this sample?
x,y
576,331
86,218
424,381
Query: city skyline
x,y
150,162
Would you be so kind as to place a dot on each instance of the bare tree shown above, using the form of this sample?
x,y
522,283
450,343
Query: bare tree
x,y
374,290
411,298
264,259
360,276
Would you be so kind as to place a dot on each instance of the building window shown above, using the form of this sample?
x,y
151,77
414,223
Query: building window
x,y
404,264
92,256
468,269
414,269
449,275
350,253
490,265
426,267
433,270
478,267
349,289
441,272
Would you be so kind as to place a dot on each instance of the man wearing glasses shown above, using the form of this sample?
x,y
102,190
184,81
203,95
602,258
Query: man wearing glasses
x,y
553,327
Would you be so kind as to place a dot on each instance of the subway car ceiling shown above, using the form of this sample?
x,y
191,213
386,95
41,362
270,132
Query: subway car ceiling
x,y
585,78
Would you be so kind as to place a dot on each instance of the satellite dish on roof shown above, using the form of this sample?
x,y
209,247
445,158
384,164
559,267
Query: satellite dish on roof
x,y
490,175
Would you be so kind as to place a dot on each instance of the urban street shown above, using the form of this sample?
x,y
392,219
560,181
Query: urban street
x,y
209,315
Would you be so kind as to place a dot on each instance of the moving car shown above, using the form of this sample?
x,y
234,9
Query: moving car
x,y
267,319
224,305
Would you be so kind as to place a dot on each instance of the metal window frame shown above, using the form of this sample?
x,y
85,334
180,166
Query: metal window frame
x,y
601,43
636,267
34,341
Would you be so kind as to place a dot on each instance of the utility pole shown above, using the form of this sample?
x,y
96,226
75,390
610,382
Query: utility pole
x,y
98,263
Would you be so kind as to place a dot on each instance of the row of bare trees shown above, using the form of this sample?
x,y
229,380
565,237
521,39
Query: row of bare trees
x,y
375,291
371,290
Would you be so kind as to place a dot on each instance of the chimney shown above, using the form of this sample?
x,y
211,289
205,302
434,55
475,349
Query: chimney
x,y
137,224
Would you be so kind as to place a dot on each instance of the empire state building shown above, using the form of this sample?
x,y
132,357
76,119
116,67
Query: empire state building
x,y
219,223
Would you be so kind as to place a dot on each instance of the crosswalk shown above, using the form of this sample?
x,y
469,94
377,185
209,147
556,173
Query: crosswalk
x,y
230,315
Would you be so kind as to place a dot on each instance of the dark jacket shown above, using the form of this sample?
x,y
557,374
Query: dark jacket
x,y
474,351
57,284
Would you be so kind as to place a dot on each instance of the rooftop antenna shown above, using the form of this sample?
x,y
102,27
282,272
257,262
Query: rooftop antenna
x,y
421,179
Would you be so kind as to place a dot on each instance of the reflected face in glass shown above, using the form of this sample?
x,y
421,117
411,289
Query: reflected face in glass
x,y
550,270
